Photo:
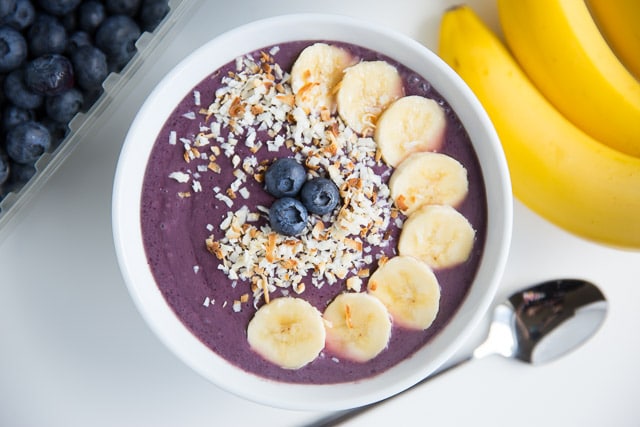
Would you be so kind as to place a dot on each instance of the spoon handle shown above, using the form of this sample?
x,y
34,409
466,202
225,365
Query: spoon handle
x,y
340,417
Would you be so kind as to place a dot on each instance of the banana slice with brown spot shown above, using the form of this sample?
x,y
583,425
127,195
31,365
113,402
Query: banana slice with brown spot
x,y
409,289
288,332
428,178
409,125
438,235
358,326
315,74
365,91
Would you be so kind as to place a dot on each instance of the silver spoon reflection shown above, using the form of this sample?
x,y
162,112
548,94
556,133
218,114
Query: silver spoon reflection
x,y
535,325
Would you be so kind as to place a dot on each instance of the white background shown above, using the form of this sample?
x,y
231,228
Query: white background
x,y
75,352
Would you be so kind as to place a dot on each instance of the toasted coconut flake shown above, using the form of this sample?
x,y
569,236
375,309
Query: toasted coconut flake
x,y
265,289
271,247
354,244
299,288
354,283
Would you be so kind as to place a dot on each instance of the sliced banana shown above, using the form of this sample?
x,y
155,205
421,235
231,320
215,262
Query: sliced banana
x,y
410,124
358,326
438,235
409,289
366,89
288,332
428,178
315,74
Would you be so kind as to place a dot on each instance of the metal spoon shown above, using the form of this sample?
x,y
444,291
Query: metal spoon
x,y
531,326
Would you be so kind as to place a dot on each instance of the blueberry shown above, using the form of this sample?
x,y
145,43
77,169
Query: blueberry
x,y
90,66
27,141
49,74
13,49
4,167
16,91
116,37
58,131
46,35
7,7
14,115
69,22
22,16
58,7
91,96
284,177
75,40
21,173
64,106
90,15
123,7
151,13
320,195
288,216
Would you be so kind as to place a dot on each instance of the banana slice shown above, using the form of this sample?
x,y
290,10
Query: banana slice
x,y
410,124
358,326
288,332
428,178
366,89
438,235
315,73
409,289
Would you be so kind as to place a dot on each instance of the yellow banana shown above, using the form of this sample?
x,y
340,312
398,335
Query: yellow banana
x,y
619,21
556,169
561,49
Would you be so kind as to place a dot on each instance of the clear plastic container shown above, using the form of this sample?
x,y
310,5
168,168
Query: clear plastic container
x,y
82,124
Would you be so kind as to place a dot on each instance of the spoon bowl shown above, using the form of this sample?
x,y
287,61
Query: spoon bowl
x,y
535,325
543,322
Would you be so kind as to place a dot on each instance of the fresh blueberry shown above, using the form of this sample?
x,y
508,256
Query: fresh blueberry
x,y
5,167
27,141
14,115
57,130
91,96
75,40
22,172
13,49
49,74
151,13
69,21
90,15
46,35
90,66
116,37
288,216
123,7
58,7
16,91
284,177
22,16
320,195
64,106
7,7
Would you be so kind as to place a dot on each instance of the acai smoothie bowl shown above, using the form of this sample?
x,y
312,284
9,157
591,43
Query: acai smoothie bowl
x,y
312,212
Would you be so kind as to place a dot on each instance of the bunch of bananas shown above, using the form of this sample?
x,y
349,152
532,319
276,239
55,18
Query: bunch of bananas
x,y
565,106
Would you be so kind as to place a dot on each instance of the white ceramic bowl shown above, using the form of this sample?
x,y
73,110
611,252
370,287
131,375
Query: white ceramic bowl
x,y
130,173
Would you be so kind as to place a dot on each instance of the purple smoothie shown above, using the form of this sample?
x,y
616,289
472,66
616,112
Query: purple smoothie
x,y
175,228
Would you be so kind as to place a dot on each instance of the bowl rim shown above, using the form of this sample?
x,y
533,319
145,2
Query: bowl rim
x,y
168,327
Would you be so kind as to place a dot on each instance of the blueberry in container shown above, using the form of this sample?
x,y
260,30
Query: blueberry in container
x,y
44,118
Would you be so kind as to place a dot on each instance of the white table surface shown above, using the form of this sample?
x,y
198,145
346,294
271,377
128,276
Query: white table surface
x,y
75,352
